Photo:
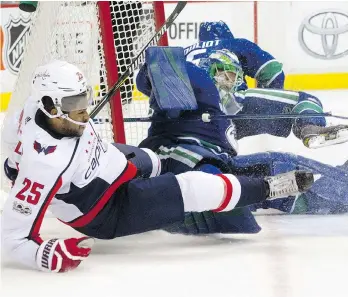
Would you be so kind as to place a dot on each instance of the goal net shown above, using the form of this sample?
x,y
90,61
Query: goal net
x,y
101,38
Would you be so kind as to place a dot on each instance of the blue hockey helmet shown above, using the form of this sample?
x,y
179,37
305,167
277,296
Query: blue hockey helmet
x,y
224,69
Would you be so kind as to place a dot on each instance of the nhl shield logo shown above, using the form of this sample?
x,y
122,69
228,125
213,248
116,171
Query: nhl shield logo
x,y
17,34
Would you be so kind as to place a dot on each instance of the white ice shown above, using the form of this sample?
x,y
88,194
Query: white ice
x,y
293,256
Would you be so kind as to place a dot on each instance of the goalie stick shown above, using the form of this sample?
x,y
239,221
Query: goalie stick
x,y
207,117
139,58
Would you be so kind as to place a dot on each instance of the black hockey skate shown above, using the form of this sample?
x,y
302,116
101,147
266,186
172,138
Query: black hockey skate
x,y
289,184
316,136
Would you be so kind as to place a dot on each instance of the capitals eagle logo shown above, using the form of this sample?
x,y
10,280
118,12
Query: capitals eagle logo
x,y
46,150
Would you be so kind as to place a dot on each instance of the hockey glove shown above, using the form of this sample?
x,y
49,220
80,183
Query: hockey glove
x,y
59,255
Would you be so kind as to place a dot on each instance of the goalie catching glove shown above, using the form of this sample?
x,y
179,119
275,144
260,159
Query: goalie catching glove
x,y
59,255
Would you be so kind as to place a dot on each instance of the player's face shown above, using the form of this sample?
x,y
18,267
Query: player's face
x,y
71,129
225,79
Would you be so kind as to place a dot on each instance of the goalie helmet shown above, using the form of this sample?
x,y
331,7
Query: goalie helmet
x,y
226,72
65,84
224,69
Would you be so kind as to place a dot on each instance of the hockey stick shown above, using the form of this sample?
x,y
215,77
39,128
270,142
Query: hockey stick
x,y
207,117
139,58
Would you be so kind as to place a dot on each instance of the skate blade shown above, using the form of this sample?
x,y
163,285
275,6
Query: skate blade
x,y
328,139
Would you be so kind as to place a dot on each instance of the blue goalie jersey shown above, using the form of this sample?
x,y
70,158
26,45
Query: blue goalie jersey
x,y
219,135
256,63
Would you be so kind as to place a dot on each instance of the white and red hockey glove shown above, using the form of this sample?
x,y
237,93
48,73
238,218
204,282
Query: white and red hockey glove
x,y
59,255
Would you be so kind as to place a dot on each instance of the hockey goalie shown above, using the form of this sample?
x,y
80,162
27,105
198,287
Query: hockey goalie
x,y
184,142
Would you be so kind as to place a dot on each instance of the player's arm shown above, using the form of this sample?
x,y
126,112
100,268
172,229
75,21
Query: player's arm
x,y
11,145
35,186
261,65
9,135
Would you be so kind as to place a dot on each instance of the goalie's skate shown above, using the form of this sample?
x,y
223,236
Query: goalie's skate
x,y
289,183
316,136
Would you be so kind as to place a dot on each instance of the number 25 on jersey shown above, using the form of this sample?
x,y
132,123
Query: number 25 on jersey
x,y
30,192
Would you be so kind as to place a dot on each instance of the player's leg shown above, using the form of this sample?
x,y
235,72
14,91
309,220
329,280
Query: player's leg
x,y
148,204
313,131
239,220
307,104
327,195
278,101
192,157
186,157
265,101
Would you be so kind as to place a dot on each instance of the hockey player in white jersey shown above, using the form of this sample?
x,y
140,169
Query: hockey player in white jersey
x,y
59,161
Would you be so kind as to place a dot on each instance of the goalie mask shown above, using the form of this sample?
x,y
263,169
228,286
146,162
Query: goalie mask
x,y
65,84
225,70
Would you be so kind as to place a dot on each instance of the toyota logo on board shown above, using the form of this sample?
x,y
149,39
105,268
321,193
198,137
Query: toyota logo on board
x,y
324,34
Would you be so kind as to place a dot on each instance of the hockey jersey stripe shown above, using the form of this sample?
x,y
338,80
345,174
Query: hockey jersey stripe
x,y
34,231
38,221
128,173
228,194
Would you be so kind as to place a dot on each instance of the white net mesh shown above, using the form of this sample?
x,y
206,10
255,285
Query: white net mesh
x,y
133,26
70,31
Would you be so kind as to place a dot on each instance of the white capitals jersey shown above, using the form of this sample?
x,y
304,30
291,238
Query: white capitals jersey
x,y
74,176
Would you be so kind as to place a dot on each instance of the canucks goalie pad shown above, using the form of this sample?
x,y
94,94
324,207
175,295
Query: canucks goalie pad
x,y
171,87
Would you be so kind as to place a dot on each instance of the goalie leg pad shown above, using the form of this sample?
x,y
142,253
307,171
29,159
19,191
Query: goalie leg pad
x,y
170,82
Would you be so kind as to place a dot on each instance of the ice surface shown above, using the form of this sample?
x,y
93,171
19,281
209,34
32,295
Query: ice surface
x,y
293,256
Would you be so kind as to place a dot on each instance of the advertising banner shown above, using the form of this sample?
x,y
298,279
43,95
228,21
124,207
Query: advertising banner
x,y
318,37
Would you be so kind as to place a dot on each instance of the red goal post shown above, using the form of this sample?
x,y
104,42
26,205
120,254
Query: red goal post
x,y
110,52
